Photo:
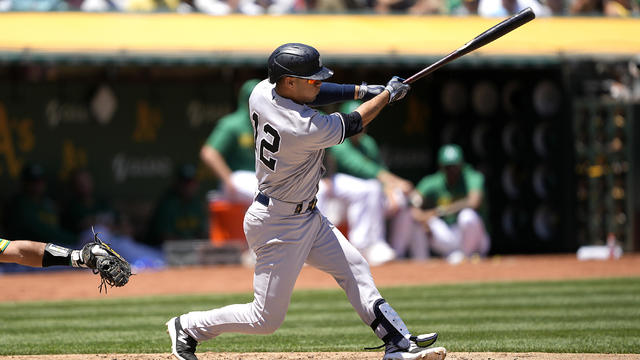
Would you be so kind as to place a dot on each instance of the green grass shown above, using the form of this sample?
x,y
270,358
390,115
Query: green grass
x,y
594,316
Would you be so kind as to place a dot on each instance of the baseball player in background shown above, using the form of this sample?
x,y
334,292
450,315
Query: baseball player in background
x,y
450,203
228,151
361,203
283,226
359,165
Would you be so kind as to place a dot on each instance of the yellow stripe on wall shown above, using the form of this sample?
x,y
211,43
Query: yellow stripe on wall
x,y
331,34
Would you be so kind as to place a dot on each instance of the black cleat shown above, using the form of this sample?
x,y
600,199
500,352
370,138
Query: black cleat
x,y
183,346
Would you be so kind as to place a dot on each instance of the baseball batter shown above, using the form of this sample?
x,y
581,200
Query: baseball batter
x,y
283,226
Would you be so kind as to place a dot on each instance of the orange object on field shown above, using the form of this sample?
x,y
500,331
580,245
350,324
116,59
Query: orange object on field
x,y
225,222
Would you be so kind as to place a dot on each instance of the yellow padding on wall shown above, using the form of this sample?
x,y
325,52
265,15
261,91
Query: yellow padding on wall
x,y
356,35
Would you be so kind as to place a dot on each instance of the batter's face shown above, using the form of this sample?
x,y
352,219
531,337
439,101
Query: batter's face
x,y
302,91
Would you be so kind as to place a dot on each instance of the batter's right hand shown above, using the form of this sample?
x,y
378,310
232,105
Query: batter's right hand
x,y
397,90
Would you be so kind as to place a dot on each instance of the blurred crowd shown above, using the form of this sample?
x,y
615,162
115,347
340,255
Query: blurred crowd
x,y
487,8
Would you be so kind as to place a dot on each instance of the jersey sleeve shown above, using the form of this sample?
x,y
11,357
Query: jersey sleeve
x,y
426,185
3,245
325,130
430,187
474,179
332,93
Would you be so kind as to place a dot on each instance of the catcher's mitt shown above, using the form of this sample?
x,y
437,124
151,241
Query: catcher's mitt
x,y
114,270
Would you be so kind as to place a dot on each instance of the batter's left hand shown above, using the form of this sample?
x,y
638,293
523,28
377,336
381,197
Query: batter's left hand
x,y
368,92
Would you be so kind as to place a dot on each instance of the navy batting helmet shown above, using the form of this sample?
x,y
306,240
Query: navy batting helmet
x,y
297,60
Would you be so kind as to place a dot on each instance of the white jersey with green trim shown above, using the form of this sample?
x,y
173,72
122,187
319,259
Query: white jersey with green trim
x,y
290,140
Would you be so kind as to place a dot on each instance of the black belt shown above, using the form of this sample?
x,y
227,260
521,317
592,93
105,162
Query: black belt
x,y
264,200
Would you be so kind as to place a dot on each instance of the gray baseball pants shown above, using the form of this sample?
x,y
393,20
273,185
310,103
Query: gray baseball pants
x,y
283,242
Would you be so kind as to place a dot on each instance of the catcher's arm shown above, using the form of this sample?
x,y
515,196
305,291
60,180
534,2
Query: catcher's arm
x,y
114,270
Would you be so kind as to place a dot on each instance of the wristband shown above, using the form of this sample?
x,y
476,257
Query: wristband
x,y
362,91
56,255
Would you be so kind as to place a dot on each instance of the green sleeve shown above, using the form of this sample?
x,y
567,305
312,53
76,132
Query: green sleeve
x,y
222,137
474,179
451,5
427,185
431,187
353,162
3,244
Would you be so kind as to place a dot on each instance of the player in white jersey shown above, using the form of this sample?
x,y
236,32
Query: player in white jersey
x,y
283,226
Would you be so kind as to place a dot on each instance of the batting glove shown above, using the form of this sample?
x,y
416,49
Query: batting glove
x,y
397,90
368,92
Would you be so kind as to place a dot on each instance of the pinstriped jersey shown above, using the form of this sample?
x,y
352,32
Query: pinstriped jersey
x,y
290,139
3,245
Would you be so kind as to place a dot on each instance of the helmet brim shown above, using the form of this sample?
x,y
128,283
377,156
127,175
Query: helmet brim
x,y
323,74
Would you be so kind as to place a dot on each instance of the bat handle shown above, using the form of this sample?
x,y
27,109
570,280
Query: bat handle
x,y
429,69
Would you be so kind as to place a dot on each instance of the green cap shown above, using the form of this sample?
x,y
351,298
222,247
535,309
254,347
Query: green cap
x,y
450,154
349,106
245,92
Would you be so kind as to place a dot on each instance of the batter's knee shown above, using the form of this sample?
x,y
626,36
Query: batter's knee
x,y
268,326
268,322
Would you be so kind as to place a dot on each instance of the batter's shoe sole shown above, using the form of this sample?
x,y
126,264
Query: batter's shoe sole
x,y
183,346
437,353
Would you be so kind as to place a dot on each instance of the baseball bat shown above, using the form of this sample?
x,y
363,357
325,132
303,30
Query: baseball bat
x,y
497,31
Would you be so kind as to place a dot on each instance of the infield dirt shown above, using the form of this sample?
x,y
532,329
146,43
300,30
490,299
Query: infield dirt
x,y
233,279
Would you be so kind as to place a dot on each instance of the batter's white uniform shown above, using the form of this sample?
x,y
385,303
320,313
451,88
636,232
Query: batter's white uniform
x,y
283,227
